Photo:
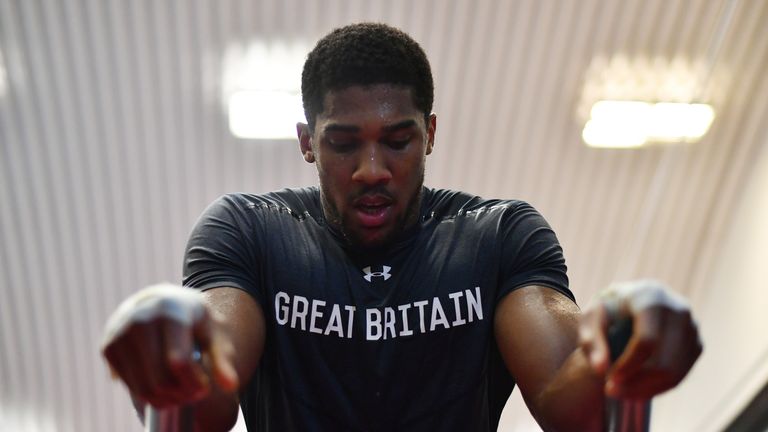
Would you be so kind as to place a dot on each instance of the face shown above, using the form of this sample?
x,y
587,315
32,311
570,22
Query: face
x,y
369,145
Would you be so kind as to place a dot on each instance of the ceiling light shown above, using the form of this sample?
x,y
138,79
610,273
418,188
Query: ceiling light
x,y
630,101
261,88
629,124
265,114
679,121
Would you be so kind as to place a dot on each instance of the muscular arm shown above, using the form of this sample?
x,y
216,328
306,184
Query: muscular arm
x,y
237,333
560,358
242,321
537,334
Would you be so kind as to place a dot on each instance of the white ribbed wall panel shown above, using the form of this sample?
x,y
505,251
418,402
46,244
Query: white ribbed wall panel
x,y
114,138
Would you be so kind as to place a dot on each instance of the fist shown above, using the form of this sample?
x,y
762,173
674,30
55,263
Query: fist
x,y
161,341
663,346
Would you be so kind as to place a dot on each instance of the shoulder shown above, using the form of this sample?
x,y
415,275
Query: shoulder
x,y
447,204
507,219
298,202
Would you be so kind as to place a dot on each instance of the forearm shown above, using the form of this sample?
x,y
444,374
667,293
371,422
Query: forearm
x,y
574,398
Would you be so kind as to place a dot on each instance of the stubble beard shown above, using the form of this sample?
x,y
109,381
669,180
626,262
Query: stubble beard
x,y
404,221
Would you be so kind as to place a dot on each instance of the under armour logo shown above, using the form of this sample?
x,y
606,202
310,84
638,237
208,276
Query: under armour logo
x,y
370,275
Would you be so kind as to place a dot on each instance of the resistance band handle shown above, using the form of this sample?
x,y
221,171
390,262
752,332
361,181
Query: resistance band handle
x,y
618,337
624,415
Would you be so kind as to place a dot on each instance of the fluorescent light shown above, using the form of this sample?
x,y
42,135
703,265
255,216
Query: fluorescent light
x,y
611,135
679,121
265,114
628,124
261,88
617,124
630,101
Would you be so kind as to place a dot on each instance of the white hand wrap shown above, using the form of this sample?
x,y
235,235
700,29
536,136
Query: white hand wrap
x,y
164,300
639,295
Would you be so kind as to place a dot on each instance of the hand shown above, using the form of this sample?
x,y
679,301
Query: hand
x,y
662,349
150,342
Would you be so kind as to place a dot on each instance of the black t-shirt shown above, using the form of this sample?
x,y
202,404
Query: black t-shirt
x,y
396,340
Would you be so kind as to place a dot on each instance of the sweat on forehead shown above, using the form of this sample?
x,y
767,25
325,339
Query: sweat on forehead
x,y
379,100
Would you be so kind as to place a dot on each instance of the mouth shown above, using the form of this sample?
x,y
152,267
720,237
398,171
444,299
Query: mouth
x,y
373,211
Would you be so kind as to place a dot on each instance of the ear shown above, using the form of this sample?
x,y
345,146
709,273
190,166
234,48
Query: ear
x,y
305,142
431,127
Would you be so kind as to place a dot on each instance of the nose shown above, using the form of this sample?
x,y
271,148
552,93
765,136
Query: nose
x,y
372,167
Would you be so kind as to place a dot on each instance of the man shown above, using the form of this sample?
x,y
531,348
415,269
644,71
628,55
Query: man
x,y
375,303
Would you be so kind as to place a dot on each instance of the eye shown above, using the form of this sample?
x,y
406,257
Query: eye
x,y
398,144
342,146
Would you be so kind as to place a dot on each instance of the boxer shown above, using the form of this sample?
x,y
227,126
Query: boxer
x,y
373,302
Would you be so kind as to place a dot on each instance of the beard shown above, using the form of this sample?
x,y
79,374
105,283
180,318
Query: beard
x,y
403,221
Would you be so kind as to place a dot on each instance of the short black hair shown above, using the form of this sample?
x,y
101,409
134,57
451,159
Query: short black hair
x,y
365,54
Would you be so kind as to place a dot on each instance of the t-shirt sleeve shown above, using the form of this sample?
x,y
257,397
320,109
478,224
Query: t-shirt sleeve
x,y
222,249
531,253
